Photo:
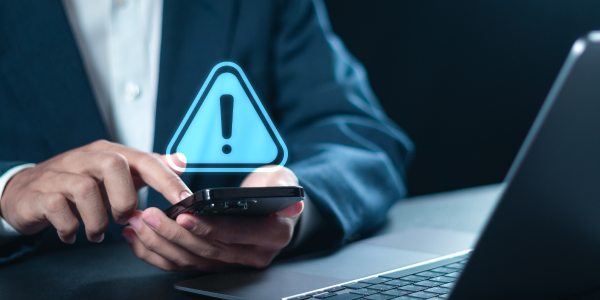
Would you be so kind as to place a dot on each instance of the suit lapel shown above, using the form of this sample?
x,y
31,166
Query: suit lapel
x,y
48,77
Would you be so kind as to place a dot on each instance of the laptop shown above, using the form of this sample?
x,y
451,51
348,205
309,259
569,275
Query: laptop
x,y
542,240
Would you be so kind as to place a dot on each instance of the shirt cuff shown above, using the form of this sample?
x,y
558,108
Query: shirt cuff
x,y
5,229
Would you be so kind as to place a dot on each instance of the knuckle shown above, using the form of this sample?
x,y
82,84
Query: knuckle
x,y
67,228
84,186
125,206
152,244
172,234
55,203
142,254
212,252
64,159
98,226
240,232
175,181
185,263
114,161
205,230
101,143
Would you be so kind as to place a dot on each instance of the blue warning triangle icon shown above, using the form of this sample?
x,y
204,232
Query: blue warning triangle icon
x,y
227,129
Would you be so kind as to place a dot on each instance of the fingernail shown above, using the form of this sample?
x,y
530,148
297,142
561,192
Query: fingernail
x,y
128,237
185,195
187,224
97,239
136,223
151,219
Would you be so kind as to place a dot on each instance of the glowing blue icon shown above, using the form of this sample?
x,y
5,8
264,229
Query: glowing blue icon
x,y
227,129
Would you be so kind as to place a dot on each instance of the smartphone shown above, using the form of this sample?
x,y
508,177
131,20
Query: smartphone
x,y
256,201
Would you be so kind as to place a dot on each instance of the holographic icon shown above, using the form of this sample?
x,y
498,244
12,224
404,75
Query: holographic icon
x,y
227,129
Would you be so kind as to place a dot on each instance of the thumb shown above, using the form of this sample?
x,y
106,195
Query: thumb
x,y
292,210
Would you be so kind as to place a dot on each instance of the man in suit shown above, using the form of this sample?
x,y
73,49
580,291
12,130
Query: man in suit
x,y
74,74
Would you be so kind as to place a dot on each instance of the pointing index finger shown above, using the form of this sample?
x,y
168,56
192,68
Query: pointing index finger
x,y
157,175
152,171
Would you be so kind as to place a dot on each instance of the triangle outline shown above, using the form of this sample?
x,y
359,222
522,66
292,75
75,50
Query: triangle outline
x,y
282,151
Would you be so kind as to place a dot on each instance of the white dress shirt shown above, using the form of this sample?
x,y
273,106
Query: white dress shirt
x,y
119,41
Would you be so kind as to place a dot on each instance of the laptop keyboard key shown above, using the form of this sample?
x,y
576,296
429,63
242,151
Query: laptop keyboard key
x,y
394,275
399,274
456,266
443,279
448,285
422,295
345,297
429,274
453,275
427,283
444,270
380,287
396,293
412,288
438,290
398,282
413,278
375,280
301,298
356,285
379,297
324,295
364,292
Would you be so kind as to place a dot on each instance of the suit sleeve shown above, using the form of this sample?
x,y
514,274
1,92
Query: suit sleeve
x,y
14,245
350,157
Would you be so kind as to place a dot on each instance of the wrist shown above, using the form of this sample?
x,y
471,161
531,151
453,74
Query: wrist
x,y
6,178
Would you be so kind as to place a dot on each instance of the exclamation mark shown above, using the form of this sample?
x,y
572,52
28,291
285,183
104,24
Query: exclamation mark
x,y
226,119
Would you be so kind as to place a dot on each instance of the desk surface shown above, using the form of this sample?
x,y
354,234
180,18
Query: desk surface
x,y
111,271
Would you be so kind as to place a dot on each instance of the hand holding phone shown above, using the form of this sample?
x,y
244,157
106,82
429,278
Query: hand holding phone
x,y
227,240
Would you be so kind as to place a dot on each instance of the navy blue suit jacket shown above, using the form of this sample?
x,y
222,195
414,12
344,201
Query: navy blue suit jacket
x,y
345,151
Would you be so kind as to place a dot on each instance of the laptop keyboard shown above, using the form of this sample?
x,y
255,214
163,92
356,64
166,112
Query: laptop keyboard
x,y
433,284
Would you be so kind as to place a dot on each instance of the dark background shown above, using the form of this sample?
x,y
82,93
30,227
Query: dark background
x,y
464,79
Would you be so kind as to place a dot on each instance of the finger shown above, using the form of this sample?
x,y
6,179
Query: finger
x,y
57,211
146,255
292,210
176,162
113,170
168,230
151,169
170,251
83,191
152,258
270,232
